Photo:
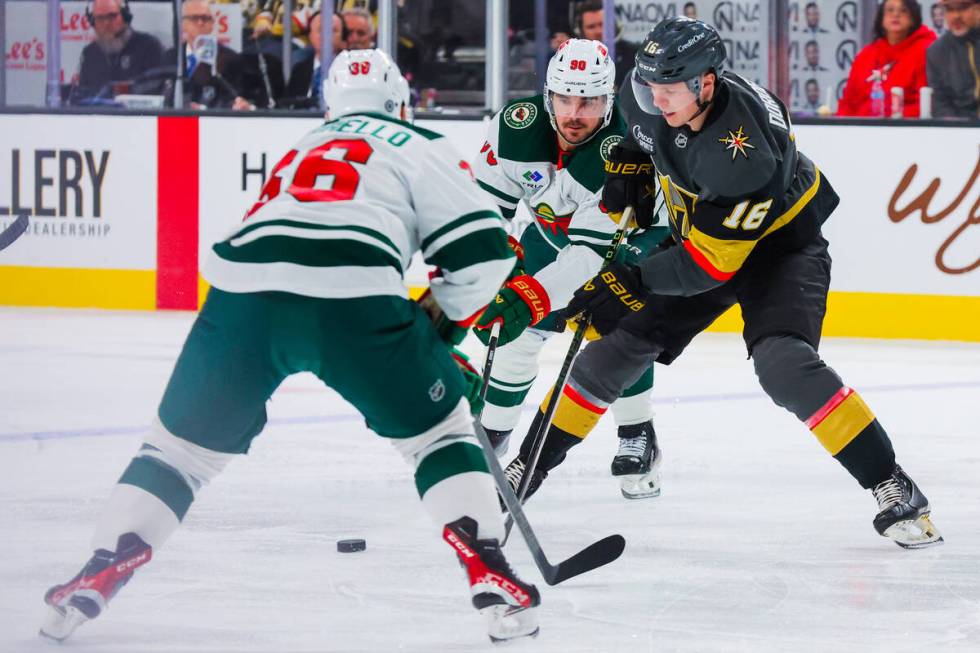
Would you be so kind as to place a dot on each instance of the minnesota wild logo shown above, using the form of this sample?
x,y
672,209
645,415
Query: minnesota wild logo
x,y
546,217
607,145
520,115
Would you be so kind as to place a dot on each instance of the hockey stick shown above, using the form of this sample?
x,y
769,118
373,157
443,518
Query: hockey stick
x,y
488,364
14,231
595,555
583,325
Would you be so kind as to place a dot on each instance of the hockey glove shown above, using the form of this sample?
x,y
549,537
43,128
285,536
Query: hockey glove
x,y
609,296
450,331
519,304
629,181
474,382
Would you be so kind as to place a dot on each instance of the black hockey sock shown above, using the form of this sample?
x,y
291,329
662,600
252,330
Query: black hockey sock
x,y
556,445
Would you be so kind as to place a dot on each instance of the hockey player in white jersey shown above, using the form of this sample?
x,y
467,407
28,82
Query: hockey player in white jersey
x,y
312,281
548,152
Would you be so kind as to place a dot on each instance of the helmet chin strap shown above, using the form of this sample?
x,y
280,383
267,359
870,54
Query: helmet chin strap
x,y
703,105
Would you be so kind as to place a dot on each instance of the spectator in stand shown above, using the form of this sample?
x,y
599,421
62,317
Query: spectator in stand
x,y
214,71
117,57
588,24
953,62
360,28
556,39
690,10
305,82
898,52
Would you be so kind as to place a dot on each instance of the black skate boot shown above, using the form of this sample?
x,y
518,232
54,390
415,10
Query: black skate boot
x,y
85,596
499,440
515,472
637,463
904,512
508,603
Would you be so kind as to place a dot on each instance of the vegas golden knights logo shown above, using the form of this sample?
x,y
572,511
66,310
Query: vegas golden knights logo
x,y
680,204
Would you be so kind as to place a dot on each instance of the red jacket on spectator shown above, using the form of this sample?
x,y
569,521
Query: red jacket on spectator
x,y
903,64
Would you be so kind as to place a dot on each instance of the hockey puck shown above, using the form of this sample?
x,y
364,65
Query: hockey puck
x,y
351,546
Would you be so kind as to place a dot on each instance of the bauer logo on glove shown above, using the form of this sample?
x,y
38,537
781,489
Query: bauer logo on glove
x,y
614,293
518,305
625,169
621,291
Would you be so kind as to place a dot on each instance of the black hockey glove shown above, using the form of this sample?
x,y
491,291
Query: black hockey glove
x,y
629,180
609,296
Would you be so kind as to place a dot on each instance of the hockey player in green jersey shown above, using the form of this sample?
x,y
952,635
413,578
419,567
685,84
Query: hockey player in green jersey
x,y
548,151
313,281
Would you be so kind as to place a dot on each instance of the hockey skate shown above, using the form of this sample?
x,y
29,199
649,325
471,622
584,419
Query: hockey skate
x,y
515,472
85,596
904,512
508,603
637,463
499,440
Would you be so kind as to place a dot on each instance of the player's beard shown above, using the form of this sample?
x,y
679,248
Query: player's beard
x,y
578,126
114,43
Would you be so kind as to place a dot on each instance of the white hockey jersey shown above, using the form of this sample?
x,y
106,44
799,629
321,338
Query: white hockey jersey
x,y
521,162
344,211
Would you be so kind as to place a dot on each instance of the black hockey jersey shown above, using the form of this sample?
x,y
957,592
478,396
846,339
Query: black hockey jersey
x,y
736,188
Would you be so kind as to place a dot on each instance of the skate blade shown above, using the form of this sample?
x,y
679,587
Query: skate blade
x,y
506,623
59,623
914,533
639,486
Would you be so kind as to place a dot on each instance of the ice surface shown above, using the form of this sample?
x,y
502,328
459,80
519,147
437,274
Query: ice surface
x,y
760,541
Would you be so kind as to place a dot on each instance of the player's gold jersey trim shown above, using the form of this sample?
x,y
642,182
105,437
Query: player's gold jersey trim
x,y
722,258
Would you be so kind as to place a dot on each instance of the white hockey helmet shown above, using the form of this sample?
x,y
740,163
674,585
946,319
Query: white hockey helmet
x,y
581,68
361,81
406,95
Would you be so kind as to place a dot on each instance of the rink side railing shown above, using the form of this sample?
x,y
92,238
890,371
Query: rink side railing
x,y
125,207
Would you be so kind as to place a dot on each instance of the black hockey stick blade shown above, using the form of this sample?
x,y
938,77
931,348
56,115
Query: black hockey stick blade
x,y
591,557
595,555
14,231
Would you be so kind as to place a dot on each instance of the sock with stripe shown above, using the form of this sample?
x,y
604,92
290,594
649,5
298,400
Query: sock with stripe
x,y
156,489
575,416
796,378
451,474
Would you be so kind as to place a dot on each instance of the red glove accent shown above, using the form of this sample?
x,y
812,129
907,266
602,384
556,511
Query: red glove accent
x,y
532,293
462,361
516,246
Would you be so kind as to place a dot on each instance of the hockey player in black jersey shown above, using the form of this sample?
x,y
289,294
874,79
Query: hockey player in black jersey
x,y
746,209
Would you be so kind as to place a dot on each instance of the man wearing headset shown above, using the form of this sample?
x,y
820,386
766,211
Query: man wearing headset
x,y
118,54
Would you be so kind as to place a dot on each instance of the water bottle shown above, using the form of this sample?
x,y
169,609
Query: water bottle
x,y
925,102
877,95
898,102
